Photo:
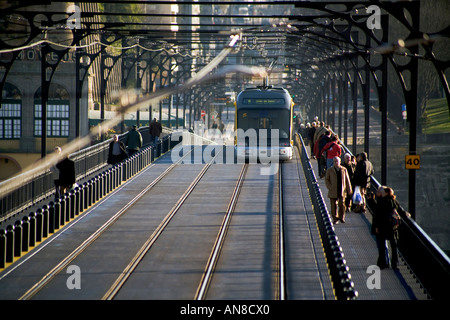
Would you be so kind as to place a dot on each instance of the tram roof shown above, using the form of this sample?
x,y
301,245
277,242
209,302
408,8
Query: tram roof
x,y
264,97
263,92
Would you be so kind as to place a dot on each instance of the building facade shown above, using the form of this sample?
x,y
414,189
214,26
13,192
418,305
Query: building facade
x,y
21,111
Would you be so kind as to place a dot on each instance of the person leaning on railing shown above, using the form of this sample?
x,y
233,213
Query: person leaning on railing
x,y
363,172
383,206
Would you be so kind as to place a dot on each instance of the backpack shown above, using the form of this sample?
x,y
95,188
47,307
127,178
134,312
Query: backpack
x,y
394,219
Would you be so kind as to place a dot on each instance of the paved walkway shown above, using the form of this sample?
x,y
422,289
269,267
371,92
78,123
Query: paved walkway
x,y
360,251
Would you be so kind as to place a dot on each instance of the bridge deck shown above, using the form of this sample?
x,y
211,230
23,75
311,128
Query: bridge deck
x,y
360,250
306,263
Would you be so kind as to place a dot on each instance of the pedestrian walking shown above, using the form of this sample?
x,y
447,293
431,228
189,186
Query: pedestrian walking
x,y
306,137
384,205
67,177
363,172
349,164
321,160
302,131
155,130
55,173
330,150
320,130
117,151
133,141
339,186
221,125
311,132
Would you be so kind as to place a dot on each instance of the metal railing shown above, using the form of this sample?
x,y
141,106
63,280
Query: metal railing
x,y
41,186
340,274
29,230
37,189
422,255
427,261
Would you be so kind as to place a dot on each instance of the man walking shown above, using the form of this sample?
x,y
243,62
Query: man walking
x,y
155,130
338,184
133,141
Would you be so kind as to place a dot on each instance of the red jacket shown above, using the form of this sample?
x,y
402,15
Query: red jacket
x,y
333,150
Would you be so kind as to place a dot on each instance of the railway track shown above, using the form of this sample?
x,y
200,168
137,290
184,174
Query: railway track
x,y
208,274
212,261
246,234
90,240
278,270
118,284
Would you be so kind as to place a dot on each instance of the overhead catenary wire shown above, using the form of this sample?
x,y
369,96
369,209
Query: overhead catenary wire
x,y
131,103
46,41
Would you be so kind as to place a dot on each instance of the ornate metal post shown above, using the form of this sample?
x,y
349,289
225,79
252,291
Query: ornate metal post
x,y
44,99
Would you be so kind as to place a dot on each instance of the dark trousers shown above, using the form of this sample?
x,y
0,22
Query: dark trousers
x,y
131,152
57,189
155,140
383,253
337,209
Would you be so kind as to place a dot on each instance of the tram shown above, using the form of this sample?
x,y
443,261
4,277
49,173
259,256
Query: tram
x,y
264,123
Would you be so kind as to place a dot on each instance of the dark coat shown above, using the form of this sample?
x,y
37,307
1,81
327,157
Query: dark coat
x,y
133,139
350,170
113,159
66,169
363,171
155,129
382,208
311,132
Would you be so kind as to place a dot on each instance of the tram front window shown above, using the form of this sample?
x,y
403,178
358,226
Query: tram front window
x,y
265,119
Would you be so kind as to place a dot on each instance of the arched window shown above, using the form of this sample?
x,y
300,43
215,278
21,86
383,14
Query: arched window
x,y
11,113
57,112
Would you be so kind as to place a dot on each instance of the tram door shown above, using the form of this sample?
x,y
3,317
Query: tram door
x,y
265,123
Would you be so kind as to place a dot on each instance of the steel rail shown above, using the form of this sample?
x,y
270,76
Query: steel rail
x,y
76,252
215,253
310,228
281,254
214,256
129,269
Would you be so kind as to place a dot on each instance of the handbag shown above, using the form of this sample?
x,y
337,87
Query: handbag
x,y
394,219
357,197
